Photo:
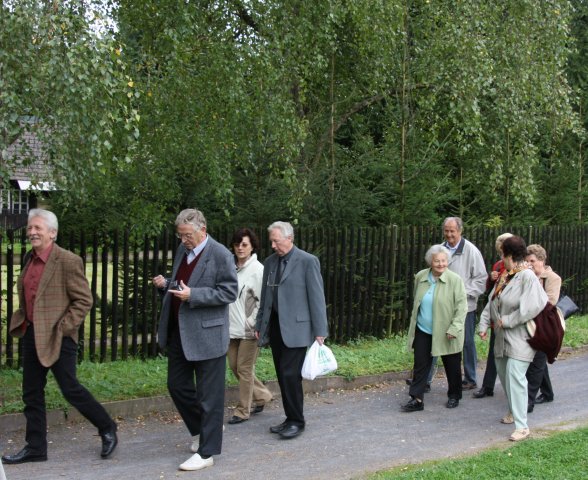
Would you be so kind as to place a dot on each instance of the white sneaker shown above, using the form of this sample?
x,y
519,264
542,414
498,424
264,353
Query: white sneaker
x,y
519,434
195,443
196,462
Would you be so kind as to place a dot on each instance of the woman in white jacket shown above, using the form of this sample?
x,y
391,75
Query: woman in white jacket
x,y
243,349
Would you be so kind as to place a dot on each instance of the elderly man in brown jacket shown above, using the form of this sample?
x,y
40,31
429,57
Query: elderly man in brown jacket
x,y
54,299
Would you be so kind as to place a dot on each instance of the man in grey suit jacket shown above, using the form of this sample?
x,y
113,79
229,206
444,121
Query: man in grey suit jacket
x,y
194,327
292,314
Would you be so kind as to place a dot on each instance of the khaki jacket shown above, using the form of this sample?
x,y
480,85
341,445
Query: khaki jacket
x,y
62,302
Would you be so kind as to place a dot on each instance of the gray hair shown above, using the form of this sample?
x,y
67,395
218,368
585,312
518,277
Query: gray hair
x,y
49,217
538,251
284,227
499,240
435,250
191,216
458,221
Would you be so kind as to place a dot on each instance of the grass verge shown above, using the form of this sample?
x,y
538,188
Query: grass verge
x,y
559,455
144,378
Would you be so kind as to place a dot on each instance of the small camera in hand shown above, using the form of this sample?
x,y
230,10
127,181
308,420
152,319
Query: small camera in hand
x,y
175,285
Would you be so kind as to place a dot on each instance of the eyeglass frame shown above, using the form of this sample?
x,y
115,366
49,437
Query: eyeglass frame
x,y
187,236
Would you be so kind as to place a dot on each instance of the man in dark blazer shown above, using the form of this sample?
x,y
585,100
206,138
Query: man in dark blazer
x,y
54,298
292,314
194,328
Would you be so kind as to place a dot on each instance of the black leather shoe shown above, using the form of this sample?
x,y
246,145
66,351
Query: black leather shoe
x,y
428,388
291,431
25,455
530,407
258,409
279,428
543,399
452,402
109,443
483,393
235,419
413,406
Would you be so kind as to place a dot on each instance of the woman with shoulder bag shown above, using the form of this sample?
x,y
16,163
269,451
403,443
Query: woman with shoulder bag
x,y
516,298
538,374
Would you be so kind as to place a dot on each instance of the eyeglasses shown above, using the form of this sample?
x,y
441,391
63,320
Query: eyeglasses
x,y
187,236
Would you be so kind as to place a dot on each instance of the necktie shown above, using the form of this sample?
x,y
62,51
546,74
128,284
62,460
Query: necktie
x,y
279,271
277,278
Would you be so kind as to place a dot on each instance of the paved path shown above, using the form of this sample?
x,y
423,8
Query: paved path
x,y
348,434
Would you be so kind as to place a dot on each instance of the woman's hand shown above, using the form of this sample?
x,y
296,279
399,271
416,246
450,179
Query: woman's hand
x,y
483,336
450,337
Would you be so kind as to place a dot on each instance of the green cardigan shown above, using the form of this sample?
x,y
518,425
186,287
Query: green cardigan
x,y
450,307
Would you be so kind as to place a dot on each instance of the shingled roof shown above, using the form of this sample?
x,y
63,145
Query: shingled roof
x,y
26,154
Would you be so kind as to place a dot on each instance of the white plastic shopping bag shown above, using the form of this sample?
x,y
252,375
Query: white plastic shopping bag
x,y
319,360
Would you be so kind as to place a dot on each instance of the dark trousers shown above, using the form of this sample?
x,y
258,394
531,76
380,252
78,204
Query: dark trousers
x,y
288,363
34,380
538,378
200,403
490,373
422,365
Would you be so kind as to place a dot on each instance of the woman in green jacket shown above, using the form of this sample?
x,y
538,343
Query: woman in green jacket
x,y
437,326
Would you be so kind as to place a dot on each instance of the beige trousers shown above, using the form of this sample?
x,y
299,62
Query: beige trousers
x,y
242,356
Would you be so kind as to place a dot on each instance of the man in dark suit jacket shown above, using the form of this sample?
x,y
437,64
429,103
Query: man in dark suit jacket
x,y
194,327
54,299
292,314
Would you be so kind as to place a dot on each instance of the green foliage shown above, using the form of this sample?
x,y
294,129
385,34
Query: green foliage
x,y
68,85
348,112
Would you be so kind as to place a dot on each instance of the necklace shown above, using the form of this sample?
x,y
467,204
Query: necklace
x,y
507,276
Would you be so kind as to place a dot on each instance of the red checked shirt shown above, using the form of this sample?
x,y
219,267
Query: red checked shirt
x,y
32,279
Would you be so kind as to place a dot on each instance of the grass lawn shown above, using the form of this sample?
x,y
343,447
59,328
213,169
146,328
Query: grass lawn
x,y
143,378
560,455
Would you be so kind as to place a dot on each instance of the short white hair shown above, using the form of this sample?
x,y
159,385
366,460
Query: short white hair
x,y
458,222
191,216
49,217
285,229
435,250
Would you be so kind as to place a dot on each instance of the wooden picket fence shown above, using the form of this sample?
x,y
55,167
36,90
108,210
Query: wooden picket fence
x,y
367,275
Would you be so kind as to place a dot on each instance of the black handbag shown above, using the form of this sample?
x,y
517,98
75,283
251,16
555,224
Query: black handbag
x,y
566,306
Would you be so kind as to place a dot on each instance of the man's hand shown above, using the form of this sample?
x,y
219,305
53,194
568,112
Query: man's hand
x,y
159,281
183,294
320,340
